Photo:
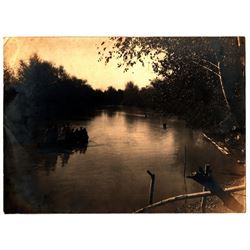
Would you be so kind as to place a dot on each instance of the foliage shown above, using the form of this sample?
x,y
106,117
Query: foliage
x,y
46,91
192,71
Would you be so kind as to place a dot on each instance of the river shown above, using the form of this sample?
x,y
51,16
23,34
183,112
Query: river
x,y
110,175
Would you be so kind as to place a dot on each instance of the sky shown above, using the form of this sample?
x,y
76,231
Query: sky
x,y
79,56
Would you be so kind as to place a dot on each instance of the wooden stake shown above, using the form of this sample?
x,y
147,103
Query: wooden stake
x,y
152,184
185,161
184,174
204,199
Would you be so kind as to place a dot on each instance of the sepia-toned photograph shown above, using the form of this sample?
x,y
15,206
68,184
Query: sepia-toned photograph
x,y
124,125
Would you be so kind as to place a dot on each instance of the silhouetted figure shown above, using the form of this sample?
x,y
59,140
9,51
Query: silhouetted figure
x,y
84,135
77,136
71,136
164,125
68,137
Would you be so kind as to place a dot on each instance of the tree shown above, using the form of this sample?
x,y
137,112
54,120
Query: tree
x,y
218,61
131,94
112,96
9,77
10,81
43,92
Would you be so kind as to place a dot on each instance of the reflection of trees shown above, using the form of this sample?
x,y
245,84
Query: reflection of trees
x,y
48,160
64,159
110,112
131,119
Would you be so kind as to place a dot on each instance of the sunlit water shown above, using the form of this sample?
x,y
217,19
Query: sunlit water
x,y
111,174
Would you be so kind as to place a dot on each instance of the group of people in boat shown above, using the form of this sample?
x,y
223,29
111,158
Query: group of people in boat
x,y
66,135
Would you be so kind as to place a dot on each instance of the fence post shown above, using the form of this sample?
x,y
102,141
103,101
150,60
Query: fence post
x,y
152,184
184,174
207,171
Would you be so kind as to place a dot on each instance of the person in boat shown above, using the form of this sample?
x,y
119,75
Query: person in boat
x,y
84,134
76,136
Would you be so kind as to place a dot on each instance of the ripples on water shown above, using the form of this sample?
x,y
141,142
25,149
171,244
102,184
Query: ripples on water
x,y
110,174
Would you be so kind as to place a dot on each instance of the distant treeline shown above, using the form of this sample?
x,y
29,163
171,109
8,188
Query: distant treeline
x,y
45,91
42,91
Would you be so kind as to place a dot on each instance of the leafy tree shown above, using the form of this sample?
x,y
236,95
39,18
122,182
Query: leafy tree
x,y
9,84
194,61
147,97
8,76
113,96
44,92
131,94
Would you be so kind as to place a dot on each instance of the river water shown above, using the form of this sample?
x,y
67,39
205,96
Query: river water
x,y
110,175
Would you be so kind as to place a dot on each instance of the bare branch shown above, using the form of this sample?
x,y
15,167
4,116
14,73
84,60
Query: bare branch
x,y
206,68
210,63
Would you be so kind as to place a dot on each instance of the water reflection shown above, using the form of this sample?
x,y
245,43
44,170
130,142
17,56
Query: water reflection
x,y
111,112
49,159
64,157
110,173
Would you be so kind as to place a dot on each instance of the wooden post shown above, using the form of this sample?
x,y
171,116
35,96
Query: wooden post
x,y
184,174
207,171
185,161
152,184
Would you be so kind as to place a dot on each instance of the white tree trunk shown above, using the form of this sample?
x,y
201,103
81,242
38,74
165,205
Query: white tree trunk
x,y
222,87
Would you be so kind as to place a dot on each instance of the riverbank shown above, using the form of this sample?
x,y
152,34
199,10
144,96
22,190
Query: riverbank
x,y
233,145
214,204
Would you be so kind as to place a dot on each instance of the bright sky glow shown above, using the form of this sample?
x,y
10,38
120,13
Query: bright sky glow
x,y
79,56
